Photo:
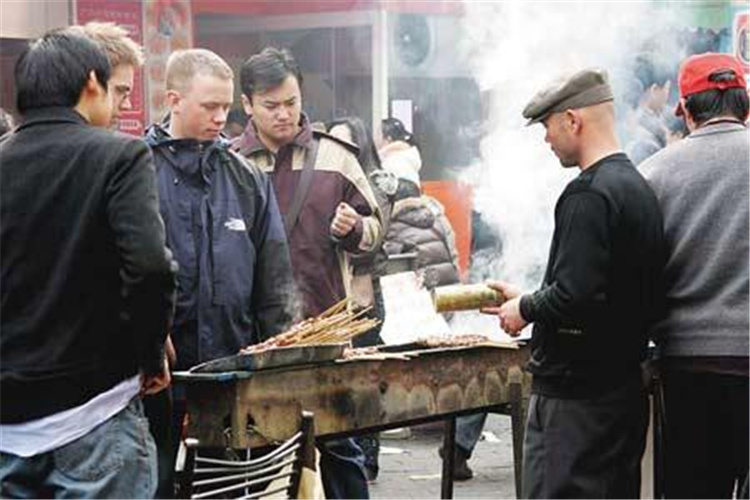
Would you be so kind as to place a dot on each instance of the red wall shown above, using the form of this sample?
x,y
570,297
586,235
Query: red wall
x,y
456,197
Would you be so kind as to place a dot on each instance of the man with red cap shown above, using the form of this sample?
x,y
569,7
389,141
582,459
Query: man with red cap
x,y
702,186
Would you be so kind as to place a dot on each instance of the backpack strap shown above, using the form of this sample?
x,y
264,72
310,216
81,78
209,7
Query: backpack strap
x,y
303,186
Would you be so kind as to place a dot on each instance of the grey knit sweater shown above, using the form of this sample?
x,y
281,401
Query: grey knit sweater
x,y
702,186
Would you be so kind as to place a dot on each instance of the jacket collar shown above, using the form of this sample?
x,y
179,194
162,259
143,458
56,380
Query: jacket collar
x,y
51,115
718,127
249,142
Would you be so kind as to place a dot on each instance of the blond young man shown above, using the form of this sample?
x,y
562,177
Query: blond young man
x,y
222,222
124,55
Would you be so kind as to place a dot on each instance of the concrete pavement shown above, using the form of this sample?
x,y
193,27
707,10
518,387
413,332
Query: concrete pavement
x,y
410,468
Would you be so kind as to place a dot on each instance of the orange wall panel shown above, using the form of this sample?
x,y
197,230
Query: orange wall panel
x,y
456,197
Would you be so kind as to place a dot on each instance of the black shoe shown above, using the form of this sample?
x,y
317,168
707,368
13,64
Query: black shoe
x,y
461,469
371,474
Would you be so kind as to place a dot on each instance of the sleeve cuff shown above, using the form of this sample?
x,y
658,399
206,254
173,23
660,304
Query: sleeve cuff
x,y
153,363
527,308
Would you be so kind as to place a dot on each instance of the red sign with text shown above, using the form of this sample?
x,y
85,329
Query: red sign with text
x,y
129,15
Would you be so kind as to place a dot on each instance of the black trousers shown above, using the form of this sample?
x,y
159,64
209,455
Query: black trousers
x,y
706,434
586,448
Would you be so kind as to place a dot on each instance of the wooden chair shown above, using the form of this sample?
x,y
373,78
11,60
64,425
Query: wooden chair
x,y
279,470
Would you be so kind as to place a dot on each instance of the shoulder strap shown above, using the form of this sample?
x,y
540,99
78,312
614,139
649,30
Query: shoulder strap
x,y
303,186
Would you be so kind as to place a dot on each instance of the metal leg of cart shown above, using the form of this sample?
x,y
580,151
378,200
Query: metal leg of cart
x,y
449,456
518,409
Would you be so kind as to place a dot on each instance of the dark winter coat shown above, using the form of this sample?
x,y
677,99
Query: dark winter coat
x,y
87,285
226,232
603,288
419,225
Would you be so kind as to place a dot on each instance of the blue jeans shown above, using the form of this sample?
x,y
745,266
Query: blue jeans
x,y
115,460
342,469
468,432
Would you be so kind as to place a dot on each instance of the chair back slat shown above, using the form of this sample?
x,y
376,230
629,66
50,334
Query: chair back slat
x,y
263,473
210,477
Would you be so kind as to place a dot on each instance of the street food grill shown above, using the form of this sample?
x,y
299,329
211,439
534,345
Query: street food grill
x,y
256,396
364,391
364,388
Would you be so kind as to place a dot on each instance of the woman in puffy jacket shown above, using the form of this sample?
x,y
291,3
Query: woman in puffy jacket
x,y
418,224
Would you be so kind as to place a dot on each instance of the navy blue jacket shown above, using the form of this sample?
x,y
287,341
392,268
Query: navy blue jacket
x,y
225,229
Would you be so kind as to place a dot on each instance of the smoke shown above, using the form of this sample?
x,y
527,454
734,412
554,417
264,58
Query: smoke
x,y
514,48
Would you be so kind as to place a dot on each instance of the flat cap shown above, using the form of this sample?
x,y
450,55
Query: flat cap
x,y
582,89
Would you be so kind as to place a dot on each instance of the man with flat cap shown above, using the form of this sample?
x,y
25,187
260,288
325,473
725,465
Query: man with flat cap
x,y
588,412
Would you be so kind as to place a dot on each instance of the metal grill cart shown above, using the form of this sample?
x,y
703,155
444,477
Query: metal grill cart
x,y
404,386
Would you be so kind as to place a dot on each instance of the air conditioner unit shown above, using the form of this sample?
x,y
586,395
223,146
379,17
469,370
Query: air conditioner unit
x,y
425,46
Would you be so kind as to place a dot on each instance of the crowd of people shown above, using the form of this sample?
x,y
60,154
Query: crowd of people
x,y
125,258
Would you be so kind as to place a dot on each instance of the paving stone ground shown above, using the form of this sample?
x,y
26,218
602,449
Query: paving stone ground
x,y
414,471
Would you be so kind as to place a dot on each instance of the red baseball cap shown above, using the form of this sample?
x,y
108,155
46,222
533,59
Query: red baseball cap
x,y
695,73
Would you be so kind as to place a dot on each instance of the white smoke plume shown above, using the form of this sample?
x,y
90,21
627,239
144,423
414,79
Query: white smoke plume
x,y
514,48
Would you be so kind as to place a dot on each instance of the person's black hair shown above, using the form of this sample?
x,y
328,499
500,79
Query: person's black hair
x,y
237,115
361,136
714,103
394,130
406,189
650,70
675,124
630,92
267,70
54,69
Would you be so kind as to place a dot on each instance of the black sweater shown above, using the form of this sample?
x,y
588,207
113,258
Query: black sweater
x,y
87,285
602,288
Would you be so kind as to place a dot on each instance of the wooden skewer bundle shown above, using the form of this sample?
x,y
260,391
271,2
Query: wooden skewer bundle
x,y
337,324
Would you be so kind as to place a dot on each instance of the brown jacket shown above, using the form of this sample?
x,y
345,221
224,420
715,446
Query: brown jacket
x,y
319,260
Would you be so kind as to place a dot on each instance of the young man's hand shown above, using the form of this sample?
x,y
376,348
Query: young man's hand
x,y
153,384
344,220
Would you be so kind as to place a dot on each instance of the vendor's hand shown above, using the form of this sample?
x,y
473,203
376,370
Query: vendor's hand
x,y
344,220
510,317
153,384
509,291
509,312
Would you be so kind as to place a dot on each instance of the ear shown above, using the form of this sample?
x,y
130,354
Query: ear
x,y
247,105
573,120
173,98
92,86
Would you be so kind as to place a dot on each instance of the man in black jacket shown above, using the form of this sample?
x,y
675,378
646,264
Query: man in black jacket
x,y
588,412
87,285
